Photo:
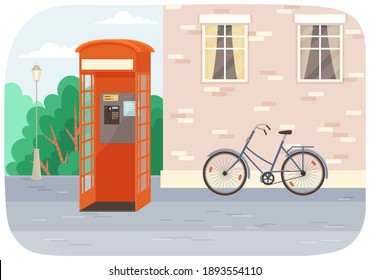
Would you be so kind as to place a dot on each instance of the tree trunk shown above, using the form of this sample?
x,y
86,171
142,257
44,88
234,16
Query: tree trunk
x,y
74,137
54,141
44,167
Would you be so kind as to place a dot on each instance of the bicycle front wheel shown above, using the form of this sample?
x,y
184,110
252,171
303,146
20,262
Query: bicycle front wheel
x,y
217,176
302,173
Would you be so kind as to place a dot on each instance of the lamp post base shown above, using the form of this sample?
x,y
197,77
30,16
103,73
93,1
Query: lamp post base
x,y
36,170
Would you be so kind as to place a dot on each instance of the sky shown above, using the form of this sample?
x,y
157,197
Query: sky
x,y
50,38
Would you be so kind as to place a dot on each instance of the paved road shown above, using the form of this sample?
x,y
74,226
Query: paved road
x,y
44,217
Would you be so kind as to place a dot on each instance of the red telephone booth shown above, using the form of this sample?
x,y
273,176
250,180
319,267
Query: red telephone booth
x,y
114,125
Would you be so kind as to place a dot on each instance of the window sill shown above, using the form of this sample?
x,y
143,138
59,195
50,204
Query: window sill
x,y
224,81
320,81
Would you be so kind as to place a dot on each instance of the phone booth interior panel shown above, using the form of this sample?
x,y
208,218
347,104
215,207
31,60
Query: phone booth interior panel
x,y
114,125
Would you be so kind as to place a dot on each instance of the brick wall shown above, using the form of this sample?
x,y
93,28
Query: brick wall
x,y
200,117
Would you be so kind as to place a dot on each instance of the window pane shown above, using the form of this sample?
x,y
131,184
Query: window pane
x,y
211,42
309,30
87,81
143,117
143,165
310,64
230,65
143,183
220,42
87,165
220,30
87,149
219,66
211,30
238,30
142,132
143,148
229,30
310,42
210,60
330,42
87,182
143,82
87,132
87,115
235,42
330,64
229,43
143,99
239,58
87,99
331,30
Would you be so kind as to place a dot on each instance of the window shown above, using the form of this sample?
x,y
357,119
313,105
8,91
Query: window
x,y
320,48
87,132
143,131
224,49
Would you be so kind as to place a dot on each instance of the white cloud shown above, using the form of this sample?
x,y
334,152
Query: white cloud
x,y
52,50
124,17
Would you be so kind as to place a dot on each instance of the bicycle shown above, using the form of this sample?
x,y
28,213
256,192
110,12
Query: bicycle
x,y
302,172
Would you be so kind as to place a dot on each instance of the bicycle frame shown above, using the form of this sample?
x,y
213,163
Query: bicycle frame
x,y
272,164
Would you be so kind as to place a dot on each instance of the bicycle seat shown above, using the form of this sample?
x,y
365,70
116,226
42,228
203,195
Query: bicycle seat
x,y
285,132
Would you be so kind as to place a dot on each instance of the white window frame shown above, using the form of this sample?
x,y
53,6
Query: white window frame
x,y
319,19
225,19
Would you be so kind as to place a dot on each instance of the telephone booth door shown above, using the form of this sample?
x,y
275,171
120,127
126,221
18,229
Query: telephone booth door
x,y
114,125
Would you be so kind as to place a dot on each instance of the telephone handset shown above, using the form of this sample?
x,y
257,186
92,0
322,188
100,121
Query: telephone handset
x,y
111,114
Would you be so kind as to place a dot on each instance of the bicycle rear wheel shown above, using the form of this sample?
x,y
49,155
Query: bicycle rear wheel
x,y
221,181
307,180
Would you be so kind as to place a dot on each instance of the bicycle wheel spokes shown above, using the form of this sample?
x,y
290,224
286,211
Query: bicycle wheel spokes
x,y
219,178
307,178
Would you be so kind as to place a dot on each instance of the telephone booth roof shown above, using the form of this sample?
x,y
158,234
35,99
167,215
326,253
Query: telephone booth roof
x,y
136,46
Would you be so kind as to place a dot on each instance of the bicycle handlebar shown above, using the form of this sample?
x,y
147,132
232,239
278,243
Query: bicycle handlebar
x,y
262,124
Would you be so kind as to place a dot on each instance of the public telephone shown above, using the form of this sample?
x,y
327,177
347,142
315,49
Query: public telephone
x,y
111,114
117,117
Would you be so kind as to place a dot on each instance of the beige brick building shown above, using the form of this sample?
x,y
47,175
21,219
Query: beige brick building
x,y
230,67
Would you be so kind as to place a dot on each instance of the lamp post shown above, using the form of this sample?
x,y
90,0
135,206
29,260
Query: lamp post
x,y
36,170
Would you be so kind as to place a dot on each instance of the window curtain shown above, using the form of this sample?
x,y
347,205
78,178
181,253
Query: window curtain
x,y
220,64
313,64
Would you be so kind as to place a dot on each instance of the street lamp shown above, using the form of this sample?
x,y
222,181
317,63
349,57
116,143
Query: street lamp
x,y
36,170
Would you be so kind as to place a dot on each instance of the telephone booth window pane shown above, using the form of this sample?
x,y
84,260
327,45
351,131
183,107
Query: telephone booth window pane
x,y
143,182
143,165
87,99
142,132
143,148
87,149
87,82
143,82
87,115
87,182
143,116
87,165
87,132
143,99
